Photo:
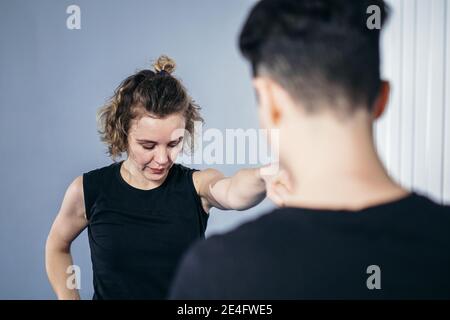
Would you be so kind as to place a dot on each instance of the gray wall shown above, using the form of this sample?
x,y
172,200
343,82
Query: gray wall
x,y
52,80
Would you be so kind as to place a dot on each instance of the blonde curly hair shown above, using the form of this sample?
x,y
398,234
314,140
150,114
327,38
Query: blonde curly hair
x,y
156,92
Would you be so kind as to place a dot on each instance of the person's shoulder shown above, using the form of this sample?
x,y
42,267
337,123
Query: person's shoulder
x,y
426,205
425,217
181,173
101,170
219,260
248,236
178,167
97,177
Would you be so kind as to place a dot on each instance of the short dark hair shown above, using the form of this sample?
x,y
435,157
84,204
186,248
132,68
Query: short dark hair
x,y
318,50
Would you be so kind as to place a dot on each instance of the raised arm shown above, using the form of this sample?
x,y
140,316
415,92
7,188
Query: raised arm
x,y
69,223
241,191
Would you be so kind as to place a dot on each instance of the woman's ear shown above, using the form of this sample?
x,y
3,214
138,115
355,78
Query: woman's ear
x,y
382,99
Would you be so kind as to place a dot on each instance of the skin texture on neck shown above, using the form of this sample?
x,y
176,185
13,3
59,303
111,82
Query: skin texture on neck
x,y
337,165
133,175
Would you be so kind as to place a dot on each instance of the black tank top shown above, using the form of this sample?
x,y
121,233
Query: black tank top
x,y
137,237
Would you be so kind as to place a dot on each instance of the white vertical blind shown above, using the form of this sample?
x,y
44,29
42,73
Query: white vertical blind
x,y
446,163
413,136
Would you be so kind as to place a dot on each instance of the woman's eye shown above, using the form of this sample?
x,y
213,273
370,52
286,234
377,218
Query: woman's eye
x,y
173,145
148,147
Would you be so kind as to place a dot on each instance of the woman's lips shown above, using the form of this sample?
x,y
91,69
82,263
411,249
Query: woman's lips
x,y
157,170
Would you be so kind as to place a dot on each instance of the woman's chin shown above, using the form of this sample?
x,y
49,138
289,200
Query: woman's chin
x,y
152,175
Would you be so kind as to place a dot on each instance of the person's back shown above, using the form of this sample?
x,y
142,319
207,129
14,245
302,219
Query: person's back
x,y
397,250
347,229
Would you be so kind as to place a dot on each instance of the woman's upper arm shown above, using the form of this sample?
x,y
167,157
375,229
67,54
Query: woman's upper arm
x,y
204,181
71,219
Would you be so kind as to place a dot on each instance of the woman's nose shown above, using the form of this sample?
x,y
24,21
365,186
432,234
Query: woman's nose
x,y
162,157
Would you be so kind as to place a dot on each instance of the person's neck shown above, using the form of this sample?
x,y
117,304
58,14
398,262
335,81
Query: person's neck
x,y
338,168
134,177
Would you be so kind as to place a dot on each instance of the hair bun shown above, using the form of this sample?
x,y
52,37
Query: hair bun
x,y
164,63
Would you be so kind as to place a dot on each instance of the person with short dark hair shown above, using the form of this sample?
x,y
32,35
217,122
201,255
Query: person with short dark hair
x,y
346,229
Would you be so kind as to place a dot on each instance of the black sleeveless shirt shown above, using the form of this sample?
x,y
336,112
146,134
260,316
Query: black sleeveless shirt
x,y
137,237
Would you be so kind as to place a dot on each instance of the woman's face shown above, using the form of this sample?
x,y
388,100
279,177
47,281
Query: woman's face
x,y
154,144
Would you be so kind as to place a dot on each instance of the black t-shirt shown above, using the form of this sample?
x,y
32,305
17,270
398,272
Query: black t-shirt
x,y
137,237
396,250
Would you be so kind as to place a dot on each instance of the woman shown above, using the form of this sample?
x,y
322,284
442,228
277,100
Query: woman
x,y
143,213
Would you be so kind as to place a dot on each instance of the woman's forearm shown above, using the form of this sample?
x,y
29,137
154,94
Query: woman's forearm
x,y
57,262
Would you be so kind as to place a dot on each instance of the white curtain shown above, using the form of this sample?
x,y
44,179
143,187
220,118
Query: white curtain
x,y
413,136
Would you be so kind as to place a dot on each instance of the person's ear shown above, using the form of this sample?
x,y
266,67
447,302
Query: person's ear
x,y
382,99
269,112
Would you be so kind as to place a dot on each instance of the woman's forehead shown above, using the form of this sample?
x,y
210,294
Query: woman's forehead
x,y
155,129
